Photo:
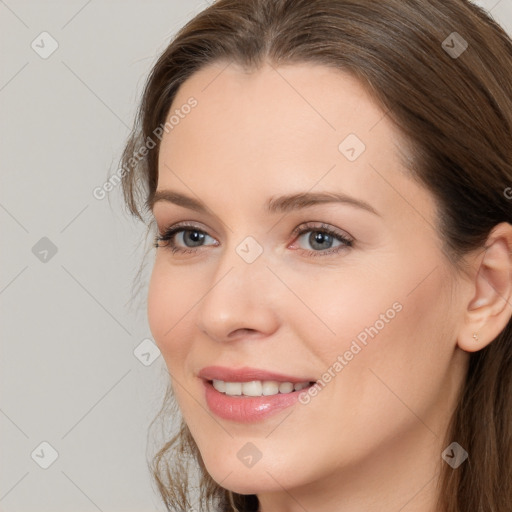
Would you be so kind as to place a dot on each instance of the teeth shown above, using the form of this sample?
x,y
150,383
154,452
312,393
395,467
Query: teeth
x,y
285,387
233,388
253,388
270,387
219,385
257,387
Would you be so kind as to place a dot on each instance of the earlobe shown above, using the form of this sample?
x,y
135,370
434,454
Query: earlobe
x,y
490,309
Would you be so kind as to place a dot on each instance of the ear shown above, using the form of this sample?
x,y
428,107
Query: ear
x,y
490,308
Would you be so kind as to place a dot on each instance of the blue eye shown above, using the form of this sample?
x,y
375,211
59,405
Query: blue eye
x,y
191,237
322,239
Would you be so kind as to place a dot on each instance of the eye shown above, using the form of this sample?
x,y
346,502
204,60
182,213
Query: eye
x,y
322,239
183,238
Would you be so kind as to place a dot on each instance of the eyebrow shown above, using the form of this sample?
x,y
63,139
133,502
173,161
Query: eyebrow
x,y
281,204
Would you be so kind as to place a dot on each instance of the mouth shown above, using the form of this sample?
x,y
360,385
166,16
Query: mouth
x,y
257,388
247,395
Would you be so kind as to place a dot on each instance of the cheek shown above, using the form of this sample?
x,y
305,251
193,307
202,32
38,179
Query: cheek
x,y
405,377
338,308
381,343
171,298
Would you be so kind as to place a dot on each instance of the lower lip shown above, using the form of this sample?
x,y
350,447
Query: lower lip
x,y
247,409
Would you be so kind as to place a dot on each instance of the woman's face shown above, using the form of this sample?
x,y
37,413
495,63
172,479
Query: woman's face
x,y
370,302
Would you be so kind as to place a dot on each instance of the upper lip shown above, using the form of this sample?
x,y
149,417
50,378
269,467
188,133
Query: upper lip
x,y
246,374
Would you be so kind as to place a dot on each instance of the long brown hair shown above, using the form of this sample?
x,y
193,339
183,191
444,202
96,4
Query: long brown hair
x,y
442,71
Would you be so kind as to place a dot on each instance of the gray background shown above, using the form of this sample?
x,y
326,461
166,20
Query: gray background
x,y
68,372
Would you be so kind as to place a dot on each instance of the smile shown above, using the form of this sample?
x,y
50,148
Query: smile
x,y
258,387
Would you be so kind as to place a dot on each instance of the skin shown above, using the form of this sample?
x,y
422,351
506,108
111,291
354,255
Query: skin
x,y
373,436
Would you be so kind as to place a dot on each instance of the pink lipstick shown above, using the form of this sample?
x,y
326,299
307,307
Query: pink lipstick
x,y
229,400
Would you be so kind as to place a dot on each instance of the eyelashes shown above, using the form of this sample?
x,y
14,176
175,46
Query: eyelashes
x,y
167,237
326,233
322,233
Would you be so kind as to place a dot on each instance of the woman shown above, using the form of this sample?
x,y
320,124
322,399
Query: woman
x,y
332,284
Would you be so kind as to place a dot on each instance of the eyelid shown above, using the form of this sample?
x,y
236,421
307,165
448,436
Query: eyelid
x,y
345,238
183,224
313,225
168,233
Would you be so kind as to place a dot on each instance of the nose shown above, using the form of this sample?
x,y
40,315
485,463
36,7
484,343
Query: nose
x,y
240,300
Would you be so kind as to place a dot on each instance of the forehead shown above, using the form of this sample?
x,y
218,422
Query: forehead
x,y
275,106
279,129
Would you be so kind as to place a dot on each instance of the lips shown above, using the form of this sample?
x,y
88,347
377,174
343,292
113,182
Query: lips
x,y
247,409
247,374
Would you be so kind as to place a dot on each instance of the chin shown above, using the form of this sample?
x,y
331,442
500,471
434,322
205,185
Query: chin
x,y
238,478
248,480
248,484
